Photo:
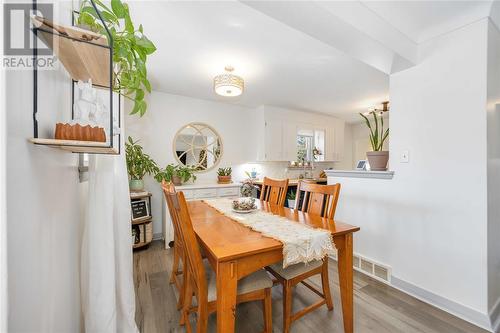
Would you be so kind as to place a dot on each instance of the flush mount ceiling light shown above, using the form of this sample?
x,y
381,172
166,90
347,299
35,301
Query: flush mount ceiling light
x,y
385,108
227,84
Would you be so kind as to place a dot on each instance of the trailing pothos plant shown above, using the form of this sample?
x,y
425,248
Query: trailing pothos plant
x,y
131,49
377,134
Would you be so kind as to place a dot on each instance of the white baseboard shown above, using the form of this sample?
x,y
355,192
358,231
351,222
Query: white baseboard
x,y
158,236
495,317
475,317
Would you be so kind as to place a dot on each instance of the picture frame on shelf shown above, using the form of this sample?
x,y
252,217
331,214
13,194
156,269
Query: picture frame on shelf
x,y
361,165
140,209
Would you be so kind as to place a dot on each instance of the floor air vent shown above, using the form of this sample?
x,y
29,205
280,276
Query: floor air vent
x,y
369,267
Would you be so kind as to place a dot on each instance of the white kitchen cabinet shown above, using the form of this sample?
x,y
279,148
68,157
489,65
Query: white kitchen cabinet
x,y
278,129
273,140
289,141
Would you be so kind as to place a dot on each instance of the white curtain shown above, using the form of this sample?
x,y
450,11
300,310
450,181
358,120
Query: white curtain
x,y
107,289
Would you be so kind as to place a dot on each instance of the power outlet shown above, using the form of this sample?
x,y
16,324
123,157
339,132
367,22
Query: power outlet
x,y
405,156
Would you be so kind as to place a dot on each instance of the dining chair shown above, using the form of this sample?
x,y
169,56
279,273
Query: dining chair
x,y
202,280
274,191
319,200
179,256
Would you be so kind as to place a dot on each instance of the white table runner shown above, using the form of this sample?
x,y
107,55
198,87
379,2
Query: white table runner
x,y
301,243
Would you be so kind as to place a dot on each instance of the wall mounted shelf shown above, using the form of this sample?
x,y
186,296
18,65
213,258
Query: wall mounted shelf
x,y
74,146
85,55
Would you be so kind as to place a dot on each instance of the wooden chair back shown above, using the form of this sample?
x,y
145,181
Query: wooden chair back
x,y
195,268
317,199
274,191
167,188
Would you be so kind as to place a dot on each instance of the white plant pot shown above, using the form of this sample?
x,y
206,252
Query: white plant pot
x,y
291,203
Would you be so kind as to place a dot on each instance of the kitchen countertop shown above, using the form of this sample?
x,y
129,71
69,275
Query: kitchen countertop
x,y
206,185
295,182
292,182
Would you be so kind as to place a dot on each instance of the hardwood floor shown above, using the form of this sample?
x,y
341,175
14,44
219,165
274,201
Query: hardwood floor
x,y
378,307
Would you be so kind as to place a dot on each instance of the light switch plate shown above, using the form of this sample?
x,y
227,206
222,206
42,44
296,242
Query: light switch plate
x,y
405,156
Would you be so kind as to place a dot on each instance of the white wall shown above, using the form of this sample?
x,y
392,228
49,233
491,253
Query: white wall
x,y
43,211
429,223
493,130
347,162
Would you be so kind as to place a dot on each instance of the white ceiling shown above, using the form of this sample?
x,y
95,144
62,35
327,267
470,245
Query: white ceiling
x,y
423,20
281,65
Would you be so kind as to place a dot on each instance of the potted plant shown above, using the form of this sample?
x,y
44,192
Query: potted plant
x,y
291,195
224,175
139,164
377,158
177,174
183,174
131,48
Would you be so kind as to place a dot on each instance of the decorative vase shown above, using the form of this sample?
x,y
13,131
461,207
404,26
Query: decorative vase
x,y
378,160
136,184
291,203
224,179
177,180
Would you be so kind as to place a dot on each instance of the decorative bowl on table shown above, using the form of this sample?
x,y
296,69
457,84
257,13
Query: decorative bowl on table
x,y
244,205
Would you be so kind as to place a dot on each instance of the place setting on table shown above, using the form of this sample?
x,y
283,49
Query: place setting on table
x,y
240,238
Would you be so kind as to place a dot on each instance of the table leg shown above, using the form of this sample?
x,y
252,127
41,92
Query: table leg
x,y
227,282
345,253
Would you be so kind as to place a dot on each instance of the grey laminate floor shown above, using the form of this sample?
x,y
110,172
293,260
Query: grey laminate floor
x,y
378,307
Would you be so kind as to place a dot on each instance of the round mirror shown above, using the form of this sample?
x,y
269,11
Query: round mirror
x,y
199,146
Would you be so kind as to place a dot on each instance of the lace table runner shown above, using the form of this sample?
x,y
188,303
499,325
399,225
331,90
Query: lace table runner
x,y
301,243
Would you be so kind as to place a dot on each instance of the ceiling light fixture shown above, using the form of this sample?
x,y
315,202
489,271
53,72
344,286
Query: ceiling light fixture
x,y
228,84
385,108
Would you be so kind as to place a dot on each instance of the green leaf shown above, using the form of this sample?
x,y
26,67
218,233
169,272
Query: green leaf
x,y
86,18
386,134
146,44
89,10
118,8
146,84
375,134
110,17
100,4
144,106
139,95
141,29
129,26
142,54
136,108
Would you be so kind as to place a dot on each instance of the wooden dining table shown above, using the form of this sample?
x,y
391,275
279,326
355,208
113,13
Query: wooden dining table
x,y
235,251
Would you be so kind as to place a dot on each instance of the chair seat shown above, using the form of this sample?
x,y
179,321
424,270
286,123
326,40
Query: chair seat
x,y
253,282
295,270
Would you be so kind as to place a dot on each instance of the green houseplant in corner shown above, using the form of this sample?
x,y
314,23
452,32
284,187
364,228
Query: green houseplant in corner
x,y
377,158
139,164
131,48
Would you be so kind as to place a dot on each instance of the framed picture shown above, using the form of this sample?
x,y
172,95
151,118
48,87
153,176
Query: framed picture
x,y
361,165
140,209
